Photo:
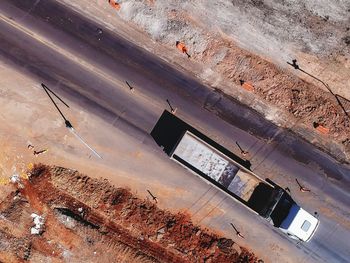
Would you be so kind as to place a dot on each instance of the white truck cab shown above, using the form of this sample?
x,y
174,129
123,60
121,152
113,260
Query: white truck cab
x,y
299,224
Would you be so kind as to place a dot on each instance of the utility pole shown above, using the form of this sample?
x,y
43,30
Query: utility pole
x,y
67,122
297,67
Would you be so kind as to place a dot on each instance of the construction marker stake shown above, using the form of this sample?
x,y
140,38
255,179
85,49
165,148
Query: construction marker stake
x,y
153,197
237,232
171,108
302,188
130,87
36,153
67,122
243,152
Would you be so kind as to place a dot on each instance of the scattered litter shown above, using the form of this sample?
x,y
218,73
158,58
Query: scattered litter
x,y
4,181
25,176
30,166
39,222
161,230
15,178
66,254
56,190
34,231
160,233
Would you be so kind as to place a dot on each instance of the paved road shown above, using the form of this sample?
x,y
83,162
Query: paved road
x,y
58,47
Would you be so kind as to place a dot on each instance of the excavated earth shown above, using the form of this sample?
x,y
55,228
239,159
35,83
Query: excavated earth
x,y
303,100
90,220
242,40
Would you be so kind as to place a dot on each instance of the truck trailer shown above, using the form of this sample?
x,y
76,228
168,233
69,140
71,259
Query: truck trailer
x,y
231,174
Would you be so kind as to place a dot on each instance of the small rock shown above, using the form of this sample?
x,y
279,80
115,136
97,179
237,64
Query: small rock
x,y
161,230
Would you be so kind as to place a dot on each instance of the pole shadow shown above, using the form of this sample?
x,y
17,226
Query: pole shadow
x,y
336,96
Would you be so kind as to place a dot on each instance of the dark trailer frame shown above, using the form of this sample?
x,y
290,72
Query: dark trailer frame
x,y
168,133
169,130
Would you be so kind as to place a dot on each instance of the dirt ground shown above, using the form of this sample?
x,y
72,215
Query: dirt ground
x,y
90,220
252,41
81,234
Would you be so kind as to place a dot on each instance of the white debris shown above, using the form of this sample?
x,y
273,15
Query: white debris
x,y
66,254
15,178
39,222
34,231
201,156
80,209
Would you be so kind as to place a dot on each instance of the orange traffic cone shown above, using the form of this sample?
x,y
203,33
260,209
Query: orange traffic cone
x,y
114,4
246,85
321,129
181,46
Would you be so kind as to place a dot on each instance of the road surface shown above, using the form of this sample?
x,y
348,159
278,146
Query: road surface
x,y
55,45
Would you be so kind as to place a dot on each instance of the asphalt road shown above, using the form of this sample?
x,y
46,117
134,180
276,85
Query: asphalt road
x,y
64,50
